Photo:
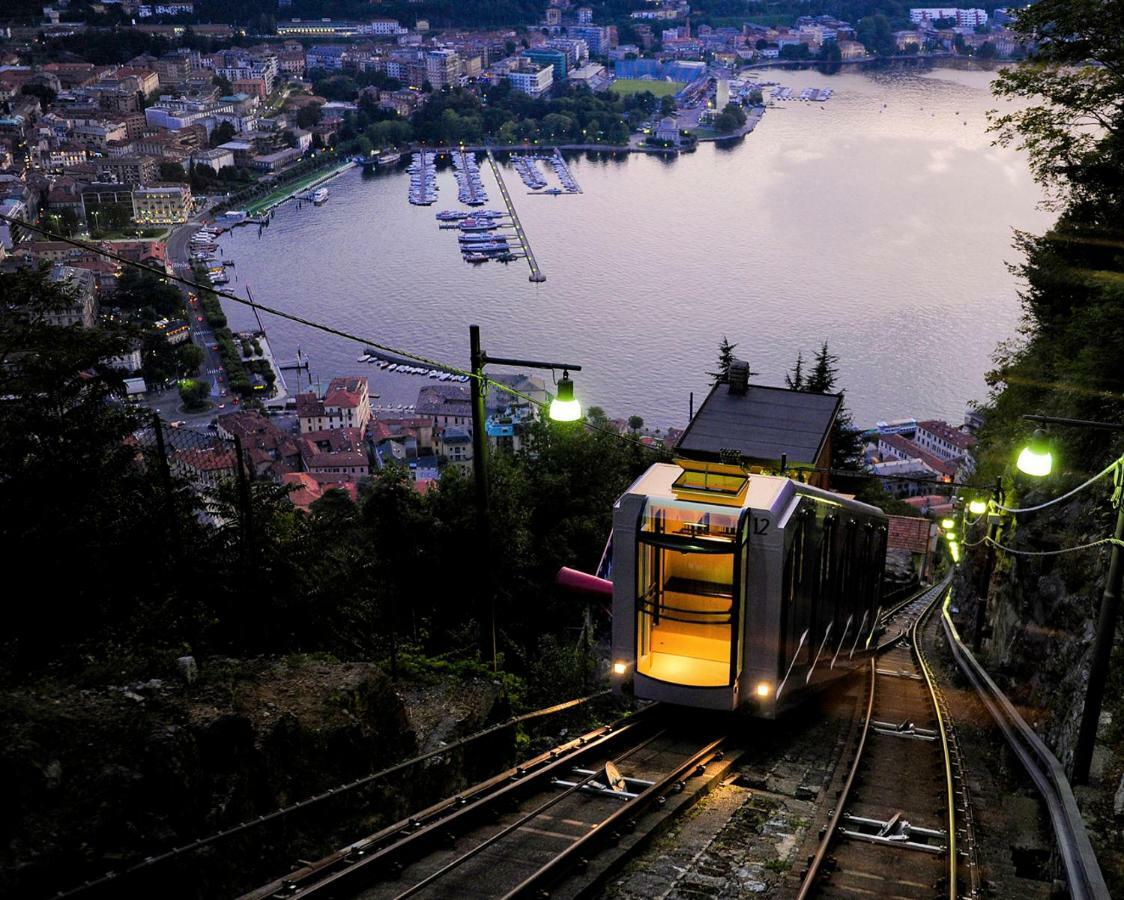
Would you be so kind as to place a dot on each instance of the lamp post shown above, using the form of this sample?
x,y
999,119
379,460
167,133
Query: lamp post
x,y
1110,602
564,408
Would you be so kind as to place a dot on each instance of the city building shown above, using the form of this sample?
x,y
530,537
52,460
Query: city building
x,y
336,451
347,404
442,69
454,445
161,204
80,284
445,404
532,79
317,28
551,57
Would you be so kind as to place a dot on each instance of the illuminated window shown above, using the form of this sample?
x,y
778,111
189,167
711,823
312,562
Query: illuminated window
x,y
686,594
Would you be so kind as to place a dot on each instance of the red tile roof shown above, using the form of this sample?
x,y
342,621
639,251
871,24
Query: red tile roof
x,y
910,450
959,439
346,392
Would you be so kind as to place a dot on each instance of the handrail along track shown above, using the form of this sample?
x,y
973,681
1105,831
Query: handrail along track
x,y
1083,874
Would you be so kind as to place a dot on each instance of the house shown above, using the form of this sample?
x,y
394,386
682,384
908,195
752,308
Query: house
x,y
306,489
347,404
454,445
206,466
272,451
763,427
340,451
84,309
667,131
445,404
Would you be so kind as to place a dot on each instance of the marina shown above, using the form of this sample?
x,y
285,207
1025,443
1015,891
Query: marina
x,y
770,190
423,178
470,187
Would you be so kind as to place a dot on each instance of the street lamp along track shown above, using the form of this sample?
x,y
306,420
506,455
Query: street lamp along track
x,y
564,408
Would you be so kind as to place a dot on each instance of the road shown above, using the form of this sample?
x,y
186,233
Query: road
x,y
179,253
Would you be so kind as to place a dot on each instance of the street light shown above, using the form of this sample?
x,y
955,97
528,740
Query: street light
x,y
1036,459
1110,600
564,408
568,411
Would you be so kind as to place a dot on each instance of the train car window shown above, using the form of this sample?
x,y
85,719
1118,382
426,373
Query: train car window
x,y
686,593
795,593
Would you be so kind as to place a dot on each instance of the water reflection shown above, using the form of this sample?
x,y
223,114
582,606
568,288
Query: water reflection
x,y
879,220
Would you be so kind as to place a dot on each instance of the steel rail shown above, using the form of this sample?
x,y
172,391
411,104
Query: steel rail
x,y
367,852
551,871
520,822
1083,872
808,886
942,729
115,877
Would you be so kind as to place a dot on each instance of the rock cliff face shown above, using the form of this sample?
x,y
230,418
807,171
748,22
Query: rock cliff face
x,y
1041,613
99,778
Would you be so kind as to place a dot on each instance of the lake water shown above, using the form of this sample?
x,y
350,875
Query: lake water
x,y
881,221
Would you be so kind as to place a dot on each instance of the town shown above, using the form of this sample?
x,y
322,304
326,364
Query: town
x,y
734,558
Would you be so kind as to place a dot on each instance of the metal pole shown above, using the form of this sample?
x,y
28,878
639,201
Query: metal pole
x,y
982,588
1102,650
486,603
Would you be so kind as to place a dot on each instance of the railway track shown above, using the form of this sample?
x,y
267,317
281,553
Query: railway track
x,y
902,824
554,824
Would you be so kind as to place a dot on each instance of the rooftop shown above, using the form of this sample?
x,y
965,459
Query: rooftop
x,y
764,423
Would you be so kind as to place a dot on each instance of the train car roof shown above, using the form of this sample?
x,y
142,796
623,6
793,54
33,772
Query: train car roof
x,y
765,492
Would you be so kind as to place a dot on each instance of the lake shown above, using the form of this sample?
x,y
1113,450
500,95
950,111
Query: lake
x,y
880,221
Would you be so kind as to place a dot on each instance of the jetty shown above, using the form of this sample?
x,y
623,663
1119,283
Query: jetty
x,y
536,272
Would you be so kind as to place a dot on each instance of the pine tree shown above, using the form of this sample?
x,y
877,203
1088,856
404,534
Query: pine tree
x,y
725,357
825,372
796,380
846,441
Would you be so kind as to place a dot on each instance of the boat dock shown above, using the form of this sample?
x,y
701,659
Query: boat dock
x,y
470,187
536,273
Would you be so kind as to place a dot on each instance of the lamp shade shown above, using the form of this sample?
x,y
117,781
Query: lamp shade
x,y
1035,458
564,408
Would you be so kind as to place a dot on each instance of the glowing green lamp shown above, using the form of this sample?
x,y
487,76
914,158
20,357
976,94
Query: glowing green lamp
x,y
564,408
954,550
1036,458
950,536
977,507
946,524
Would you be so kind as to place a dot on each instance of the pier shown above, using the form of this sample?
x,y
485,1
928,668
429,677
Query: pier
x,y
536,273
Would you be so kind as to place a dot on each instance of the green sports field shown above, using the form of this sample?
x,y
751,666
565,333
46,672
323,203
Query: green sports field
x,y
636,85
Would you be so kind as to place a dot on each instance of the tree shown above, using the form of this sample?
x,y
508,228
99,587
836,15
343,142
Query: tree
x,y
795,379
635,423
725,358
846,441
875,33
223,84
1070,118
309,115
825,372
194,394
223,132
596,415
986,50
71,478
191,357
172,171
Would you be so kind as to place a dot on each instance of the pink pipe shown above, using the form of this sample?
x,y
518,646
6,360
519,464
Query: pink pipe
x,y
573,580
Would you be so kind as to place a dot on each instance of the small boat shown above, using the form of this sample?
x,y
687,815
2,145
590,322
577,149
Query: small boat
x,y
389,159
392,367
320,195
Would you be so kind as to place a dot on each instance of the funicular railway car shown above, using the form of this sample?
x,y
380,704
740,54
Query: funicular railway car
x,y
737,591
